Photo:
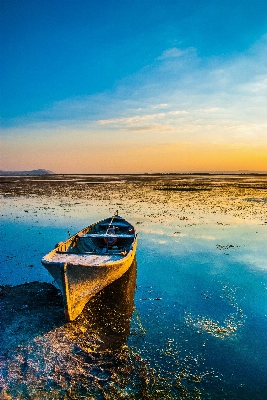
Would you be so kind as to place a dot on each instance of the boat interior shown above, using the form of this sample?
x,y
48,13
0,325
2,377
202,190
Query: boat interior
x,y
111,236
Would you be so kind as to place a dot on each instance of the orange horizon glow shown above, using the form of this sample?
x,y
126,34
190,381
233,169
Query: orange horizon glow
x,y
100,157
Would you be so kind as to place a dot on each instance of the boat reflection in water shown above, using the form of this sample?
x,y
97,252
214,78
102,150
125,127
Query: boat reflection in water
x,y
108,314
74,353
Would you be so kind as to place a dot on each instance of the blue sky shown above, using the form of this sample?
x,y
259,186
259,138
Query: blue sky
x,y
162,85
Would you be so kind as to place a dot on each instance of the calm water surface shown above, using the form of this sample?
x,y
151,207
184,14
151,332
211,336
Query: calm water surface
x,y
188,321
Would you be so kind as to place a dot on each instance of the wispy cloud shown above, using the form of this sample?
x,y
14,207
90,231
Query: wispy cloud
x,y
176,102
175,53
177,83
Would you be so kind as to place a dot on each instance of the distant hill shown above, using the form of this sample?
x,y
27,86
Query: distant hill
x,y
32,172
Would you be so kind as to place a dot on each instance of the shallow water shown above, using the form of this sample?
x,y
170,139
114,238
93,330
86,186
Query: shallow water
x,y
191,324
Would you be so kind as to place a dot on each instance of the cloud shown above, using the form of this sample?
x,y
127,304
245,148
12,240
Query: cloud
x,y
178,83
149,122
175,53
172,106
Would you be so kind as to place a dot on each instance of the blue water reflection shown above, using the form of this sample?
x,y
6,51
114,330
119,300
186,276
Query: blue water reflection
x,y
209,303
200,314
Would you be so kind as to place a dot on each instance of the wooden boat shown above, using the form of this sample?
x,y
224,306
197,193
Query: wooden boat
x,y
90,260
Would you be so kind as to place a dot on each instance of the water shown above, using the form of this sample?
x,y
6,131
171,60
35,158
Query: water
x,y
188,320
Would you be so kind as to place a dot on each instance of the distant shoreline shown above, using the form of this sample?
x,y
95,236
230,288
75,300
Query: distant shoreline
x,y
42,172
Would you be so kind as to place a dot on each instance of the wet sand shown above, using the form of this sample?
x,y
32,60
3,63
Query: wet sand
x,y
42,357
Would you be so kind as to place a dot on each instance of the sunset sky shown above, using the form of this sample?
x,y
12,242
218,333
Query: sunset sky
x,y
133,86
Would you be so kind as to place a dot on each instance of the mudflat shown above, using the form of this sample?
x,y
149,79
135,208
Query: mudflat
x,y
201,277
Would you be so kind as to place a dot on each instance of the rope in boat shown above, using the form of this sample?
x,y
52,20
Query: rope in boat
x,y
107,232
115,215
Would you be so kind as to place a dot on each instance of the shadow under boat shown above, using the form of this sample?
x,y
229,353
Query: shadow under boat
x,y
35,308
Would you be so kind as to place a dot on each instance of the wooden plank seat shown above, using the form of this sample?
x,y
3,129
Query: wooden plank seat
x,y
115,223
107,235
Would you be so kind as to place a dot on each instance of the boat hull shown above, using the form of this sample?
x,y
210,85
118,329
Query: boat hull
x,y
80,277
